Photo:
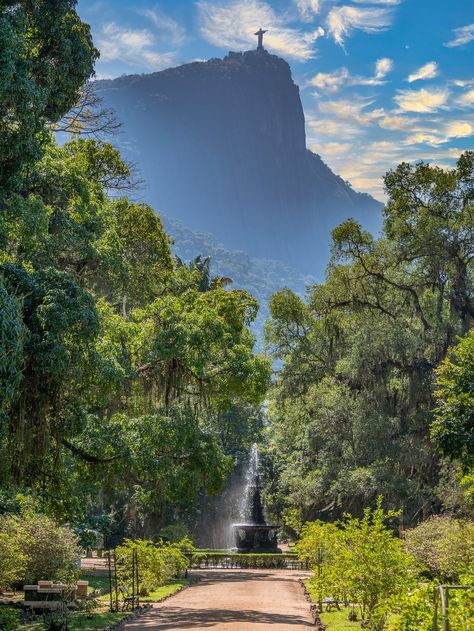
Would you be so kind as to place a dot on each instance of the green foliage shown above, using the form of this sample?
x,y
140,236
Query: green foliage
x,y
157,562
13,565
46,54
12,339
417,607
453,426
359,561
230,560
9,619
442,544
352,407
47,551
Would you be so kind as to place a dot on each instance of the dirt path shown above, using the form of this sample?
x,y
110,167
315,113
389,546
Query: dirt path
x,y
243,600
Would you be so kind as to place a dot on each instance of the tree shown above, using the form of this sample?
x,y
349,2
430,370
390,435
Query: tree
x,y
353,402
46,55
453,425
360,560
49,551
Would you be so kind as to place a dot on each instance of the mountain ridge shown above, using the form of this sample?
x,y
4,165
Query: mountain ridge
x,y
221,146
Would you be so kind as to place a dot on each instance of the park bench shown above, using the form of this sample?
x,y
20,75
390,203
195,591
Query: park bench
x,y
128,600
330,603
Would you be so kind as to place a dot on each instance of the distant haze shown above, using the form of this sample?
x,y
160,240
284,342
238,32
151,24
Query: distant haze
x,y
221,146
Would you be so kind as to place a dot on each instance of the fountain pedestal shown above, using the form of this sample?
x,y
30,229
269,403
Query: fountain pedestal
x,y
255,536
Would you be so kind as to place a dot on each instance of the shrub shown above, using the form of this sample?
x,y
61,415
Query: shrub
x,y
9,619
13,561
361,561
50,551
156,563
442,544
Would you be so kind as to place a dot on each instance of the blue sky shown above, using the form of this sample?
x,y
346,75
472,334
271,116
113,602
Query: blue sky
x,y
381,80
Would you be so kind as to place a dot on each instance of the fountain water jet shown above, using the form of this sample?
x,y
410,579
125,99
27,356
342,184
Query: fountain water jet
x,y
254,534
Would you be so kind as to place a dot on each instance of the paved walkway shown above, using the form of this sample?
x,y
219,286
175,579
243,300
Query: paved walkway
x,y
224,600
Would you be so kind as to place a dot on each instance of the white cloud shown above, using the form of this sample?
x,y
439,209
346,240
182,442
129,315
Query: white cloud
x,y
428,71
421,100
396,123
233,24
383,67
333,81
458,129
463,83
466,99
333,149
440,134
330,81
308,9
170,30
131,46
462,35
342,20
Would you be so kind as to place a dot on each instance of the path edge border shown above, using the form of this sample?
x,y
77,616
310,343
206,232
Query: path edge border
x,y
313,608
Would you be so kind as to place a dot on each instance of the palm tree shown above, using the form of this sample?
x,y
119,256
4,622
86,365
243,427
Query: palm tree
x,y
203,266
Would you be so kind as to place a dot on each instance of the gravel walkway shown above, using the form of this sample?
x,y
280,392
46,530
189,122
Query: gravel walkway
x,y
243,600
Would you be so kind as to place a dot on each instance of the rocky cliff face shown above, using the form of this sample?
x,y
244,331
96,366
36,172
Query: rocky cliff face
x,y
221,146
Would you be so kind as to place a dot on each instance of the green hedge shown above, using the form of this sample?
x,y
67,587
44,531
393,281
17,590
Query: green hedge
x,y
230,560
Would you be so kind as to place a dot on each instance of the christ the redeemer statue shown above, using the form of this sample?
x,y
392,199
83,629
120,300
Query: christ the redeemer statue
x,y
260,35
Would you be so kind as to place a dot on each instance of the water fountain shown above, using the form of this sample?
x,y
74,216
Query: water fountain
x,y
254,534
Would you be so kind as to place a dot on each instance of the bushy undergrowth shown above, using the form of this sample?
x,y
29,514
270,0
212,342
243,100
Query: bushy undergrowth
x,y
157,562
444,545
34,547
363,561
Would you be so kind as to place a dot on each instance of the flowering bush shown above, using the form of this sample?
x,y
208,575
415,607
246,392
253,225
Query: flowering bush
x,y
442,544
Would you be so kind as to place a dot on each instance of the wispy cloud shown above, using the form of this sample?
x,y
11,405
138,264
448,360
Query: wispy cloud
x,y
422,101
439,134
341,21
333,81
428,71
466,99
132,46
233,24
169,30
308,9
462,35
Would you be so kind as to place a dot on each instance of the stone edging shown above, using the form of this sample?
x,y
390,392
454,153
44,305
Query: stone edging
x,y
313,607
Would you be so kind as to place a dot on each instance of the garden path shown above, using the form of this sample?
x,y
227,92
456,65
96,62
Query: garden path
x,y
231,600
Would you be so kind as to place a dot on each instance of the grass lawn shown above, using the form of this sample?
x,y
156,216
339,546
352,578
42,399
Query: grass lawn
x,y
99,620
169,588
96,582
338,619
335,619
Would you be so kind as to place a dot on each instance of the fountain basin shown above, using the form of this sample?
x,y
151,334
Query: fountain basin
x,y
255,538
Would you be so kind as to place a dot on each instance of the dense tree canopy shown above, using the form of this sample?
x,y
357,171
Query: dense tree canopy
x,y
453,427
353,403
46,55
117,362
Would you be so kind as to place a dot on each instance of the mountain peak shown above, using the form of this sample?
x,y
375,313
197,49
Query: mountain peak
x,y
222,147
